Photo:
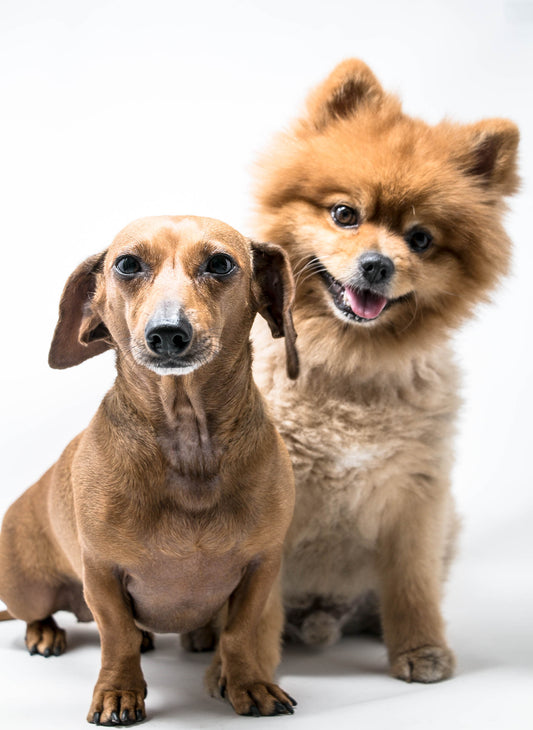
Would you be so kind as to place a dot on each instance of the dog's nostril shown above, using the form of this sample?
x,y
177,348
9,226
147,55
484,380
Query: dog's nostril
x,y
181,338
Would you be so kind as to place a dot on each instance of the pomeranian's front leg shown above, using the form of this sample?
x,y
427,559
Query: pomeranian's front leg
x,y
249,647
120,690
411,556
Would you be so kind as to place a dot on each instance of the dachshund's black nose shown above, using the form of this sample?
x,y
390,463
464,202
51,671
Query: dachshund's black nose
x,y
376,268
165,338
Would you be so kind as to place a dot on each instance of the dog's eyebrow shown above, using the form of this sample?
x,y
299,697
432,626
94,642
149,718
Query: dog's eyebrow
x,y
140,248
132,238
210,246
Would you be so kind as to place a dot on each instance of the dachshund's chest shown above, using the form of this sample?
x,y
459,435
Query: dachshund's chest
x,y
179,593
177,569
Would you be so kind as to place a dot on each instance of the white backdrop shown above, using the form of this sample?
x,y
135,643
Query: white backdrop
x,y
114,110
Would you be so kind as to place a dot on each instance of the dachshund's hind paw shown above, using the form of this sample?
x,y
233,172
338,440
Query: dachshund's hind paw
x,y
45,638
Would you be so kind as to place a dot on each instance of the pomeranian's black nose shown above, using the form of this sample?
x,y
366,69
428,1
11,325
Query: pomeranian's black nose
x,y
376,268
169,339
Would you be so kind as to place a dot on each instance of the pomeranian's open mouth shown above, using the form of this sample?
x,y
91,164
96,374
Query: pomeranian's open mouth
x,y
359,304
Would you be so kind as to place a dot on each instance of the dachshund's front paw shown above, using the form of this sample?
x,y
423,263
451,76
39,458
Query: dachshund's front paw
x,y
117,707
426,664
258,698
248,697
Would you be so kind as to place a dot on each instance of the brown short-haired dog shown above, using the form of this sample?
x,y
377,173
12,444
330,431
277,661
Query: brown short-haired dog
x,y
170,509
394,230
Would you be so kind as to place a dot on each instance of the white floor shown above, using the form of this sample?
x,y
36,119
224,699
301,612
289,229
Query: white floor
x,y
489,608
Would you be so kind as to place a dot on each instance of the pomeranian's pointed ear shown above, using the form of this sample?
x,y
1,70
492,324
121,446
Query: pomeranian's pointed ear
x,y
273,290
80,332
490,154
350,85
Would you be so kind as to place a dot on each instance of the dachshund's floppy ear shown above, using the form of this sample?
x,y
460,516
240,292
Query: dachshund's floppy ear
x,y
80,332
273,289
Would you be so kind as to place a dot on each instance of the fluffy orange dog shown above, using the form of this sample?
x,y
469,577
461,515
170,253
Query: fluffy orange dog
x,y
170,509
394,231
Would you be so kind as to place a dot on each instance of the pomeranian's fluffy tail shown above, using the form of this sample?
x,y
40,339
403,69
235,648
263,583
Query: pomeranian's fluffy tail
x,y
6,616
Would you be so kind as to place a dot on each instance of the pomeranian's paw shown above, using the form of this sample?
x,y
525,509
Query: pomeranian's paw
x,y
426,664
320,629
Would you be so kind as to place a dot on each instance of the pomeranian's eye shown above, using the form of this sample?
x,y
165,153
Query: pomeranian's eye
x,y
418,239
127,266
220,264
345,216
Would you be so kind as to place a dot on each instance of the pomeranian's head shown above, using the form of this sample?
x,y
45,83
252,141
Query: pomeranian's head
x,y
393,226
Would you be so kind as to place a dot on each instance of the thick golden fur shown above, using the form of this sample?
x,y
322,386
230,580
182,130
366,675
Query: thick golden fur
x,y
369,422
168,513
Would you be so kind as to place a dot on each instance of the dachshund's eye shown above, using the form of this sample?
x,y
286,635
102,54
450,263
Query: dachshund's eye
x,y
128,266
345,216
418,240
220,264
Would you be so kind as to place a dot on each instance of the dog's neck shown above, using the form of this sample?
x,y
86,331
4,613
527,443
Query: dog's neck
x,y
185,432
366,354
192,419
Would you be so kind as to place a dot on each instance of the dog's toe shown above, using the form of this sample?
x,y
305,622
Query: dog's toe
x,y
117,707
283,708
260,699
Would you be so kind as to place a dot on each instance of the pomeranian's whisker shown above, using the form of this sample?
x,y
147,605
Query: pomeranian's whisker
x,y
309,264
303,281
413,301
312,266
311,260
449,293
309,274
310,269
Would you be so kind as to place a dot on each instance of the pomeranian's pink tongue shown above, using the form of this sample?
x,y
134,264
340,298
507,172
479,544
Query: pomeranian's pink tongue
x,y
365,304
